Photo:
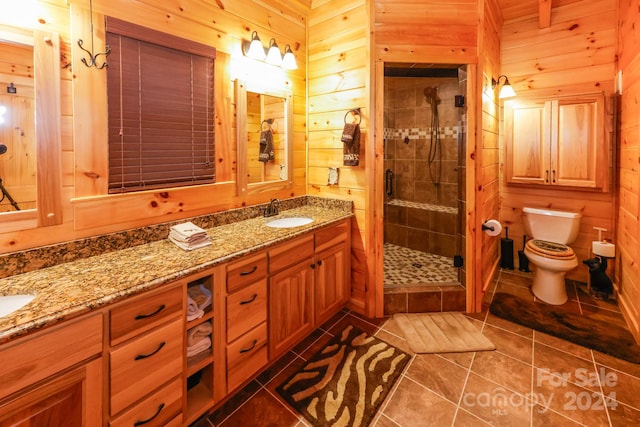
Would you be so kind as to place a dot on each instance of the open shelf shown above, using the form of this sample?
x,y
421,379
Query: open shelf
x,y
199,361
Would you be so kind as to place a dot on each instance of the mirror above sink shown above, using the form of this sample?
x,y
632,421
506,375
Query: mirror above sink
x,y
264,120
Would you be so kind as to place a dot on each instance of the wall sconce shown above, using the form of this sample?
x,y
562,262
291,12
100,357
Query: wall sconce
x,y
506,91
289,59
255,50
273,53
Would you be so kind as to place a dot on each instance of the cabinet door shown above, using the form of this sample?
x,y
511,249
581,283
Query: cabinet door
x,y
332,287
66,400
575,160
528,142
290,307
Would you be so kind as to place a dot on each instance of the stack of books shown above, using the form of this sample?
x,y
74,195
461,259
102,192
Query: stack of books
x,y
189,236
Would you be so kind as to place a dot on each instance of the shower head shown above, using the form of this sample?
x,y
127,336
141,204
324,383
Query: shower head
x,y
431,93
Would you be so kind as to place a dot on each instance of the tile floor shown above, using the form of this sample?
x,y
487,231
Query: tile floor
x,y
532,379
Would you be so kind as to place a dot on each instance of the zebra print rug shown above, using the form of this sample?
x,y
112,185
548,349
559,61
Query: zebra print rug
x,y
344,383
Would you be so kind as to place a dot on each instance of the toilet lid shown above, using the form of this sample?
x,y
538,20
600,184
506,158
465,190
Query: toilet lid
x,y
550,249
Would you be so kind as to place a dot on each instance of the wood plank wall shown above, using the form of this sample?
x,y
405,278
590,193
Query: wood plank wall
x,y
628,237
338,83
87,210
488,173
575,55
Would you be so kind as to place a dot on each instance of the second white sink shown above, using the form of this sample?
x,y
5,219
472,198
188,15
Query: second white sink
x,y
11,303
295,221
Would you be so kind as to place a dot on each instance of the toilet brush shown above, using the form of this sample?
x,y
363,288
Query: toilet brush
x,y
506,251
523,261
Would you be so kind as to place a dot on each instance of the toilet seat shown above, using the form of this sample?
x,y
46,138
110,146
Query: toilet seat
x,y
550,249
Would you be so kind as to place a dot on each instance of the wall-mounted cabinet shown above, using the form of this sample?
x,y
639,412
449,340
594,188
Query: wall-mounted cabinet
x,y
557,142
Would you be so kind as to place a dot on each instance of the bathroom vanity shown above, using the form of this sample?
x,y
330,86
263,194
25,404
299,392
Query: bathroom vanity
x,y
105,340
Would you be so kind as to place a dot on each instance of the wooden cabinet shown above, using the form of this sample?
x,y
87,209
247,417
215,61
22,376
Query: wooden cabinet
x,y
558,142
332,279
146,357
309,283
54,377
246,318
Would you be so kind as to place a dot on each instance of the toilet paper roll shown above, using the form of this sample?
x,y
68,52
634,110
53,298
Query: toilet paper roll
x,y
492,227
604,249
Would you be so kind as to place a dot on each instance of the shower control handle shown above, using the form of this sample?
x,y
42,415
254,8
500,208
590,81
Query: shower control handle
x,y
388,182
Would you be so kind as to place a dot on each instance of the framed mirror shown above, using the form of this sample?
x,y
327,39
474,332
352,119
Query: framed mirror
x,y
264,120
30,141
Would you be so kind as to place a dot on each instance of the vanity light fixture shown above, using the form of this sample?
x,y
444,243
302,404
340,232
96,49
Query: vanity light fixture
x,y
289,59
506,91
255,50
273,54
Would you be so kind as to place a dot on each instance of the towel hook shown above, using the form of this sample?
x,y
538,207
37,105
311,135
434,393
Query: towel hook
x,y
355,112
268,122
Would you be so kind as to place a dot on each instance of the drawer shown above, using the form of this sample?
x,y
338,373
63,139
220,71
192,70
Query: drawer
x,y
291,253
158,409
332,235
246,356
144,312
246,309
246,270
31,359
145,363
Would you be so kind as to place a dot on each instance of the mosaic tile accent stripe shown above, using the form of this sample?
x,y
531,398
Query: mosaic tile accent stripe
x,y
425,206
420,133
408,267
47,256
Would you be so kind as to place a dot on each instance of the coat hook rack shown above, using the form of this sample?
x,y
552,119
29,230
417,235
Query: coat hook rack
x,y
92,62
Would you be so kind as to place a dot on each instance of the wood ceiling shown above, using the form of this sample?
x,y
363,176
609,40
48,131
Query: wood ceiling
x,y
518,9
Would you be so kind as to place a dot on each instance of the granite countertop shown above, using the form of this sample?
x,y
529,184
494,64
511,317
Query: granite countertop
x,y
70,289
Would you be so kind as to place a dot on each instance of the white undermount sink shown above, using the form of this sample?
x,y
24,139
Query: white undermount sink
x,y
294,221
11,303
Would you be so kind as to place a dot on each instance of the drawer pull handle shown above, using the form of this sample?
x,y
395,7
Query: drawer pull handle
x,y
145,316
144,356
142,422
250,300
246,273
320,262
244,350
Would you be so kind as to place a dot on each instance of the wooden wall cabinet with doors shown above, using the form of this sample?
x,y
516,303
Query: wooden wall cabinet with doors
x,y
54,377
146,358
557,142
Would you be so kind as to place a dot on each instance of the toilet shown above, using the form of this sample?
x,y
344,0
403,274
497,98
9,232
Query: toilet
x,y
551,231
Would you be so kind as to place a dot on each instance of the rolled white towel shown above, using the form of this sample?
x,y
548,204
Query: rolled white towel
x,y
198,333
199,347
193,312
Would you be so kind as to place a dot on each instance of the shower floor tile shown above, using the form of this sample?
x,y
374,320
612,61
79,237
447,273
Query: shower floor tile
x,y
404,267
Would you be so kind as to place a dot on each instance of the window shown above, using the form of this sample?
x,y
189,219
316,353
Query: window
x,y
161,109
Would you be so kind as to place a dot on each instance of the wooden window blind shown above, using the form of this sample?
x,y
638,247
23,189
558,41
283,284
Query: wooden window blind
x,y
161,109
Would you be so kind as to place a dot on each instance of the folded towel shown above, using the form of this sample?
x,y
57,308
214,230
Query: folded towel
x,y
187,231
201,295
351,144
266,143
199,347
193,312
198,333
189,236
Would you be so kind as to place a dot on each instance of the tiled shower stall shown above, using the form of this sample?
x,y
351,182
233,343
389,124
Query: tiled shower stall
x,y
424,183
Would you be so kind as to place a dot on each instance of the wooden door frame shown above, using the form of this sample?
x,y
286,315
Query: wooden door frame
x,y
375,197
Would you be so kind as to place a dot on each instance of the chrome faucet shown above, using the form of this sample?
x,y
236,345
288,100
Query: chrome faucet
x,y
272,208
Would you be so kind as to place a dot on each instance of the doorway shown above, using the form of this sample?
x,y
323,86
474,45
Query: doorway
x,y
424,178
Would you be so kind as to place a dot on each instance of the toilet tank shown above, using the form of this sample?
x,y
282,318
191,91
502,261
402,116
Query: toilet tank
x,y
551,225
